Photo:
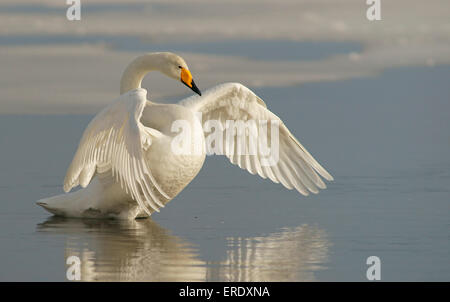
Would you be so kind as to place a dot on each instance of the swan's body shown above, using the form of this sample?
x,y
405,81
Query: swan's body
x,y
125,161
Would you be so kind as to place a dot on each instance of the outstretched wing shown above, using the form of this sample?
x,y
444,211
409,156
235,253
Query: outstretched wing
x,y
115,140
294,167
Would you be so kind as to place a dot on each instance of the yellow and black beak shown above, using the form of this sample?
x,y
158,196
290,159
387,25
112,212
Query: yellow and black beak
x,y
187,80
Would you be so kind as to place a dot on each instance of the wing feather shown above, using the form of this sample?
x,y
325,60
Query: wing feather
x,y
115,140
296,168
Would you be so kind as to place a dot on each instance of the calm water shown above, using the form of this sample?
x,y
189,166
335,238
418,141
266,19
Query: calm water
x,y
385,139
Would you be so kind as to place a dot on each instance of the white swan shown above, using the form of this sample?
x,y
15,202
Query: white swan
x,y
125,161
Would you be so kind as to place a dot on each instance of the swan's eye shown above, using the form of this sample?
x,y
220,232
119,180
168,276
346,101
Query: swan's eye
x,y
180,67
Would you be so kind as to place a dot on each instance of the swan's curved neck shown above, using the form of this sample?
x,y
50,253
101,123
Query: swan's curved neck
x,y
137,69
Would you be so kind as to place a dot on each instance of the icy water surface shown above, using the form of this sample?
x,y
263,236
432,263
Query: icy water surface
x,y
385,139
253,49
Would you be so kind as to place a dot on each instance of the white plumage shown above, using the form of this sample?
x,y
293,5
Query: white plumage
x,y
115,140
296,168
127,147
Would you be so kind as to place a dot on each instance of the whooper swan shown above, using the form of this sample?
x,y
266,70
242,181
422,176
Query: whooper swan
x,y
132,158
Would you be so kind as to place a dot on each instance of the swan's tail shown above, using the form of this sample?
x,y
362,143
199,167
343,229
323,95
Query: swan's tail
x,y
68,205
94,201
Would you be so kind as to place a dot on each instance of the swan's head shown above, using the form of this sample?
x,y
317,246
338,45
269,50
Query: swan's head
x,y
175,67
168,63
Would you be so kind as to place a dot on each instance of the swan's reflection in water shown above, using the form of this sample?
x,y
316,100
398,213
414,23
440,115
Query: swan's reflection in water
x,y
289,255
112,250
141,250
